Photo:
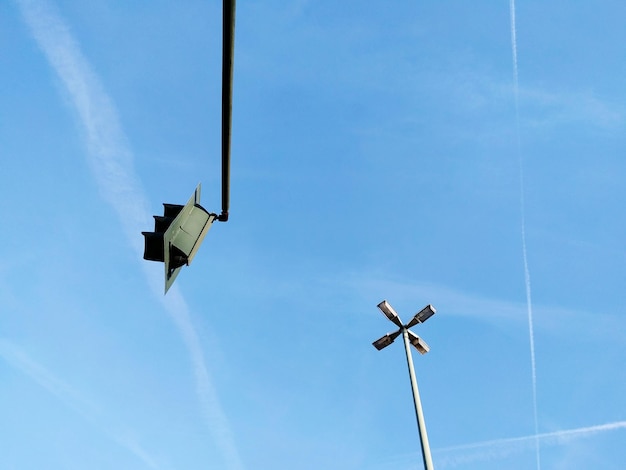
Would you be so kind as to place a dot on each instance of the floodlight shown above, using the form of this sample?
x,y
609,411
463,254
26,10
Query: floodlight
x,y
421,316
385,340
177,235
390,313
418,342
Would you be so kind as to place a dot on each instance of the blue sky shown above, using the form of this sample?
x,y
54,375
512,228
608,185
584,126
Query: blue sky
x,y
376,155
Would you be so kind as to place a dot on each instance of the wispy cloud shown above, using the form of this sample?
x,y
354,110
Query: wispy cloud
x,y
476,90
108,151
19,360
554,320
450,457
499,449
550,108
213,413
448,300
111,160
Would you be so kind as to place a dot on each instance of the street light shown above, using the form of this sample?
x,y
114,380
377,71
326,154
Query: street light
x,y
386,340
421,346
421,316
418,342
389,312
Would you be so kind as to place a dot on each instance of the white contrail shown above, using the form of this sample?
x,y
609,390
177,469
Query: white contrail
x,y
20,361
497,449
111,161
514,47
449,457
529,304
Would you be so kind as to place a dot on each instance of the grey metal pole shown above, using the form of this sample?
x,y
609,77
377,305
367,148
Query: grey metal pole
x,y
421,424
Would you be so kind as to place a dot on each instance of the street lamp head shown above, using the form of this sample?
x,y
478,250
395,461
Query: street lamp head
x,y
390,313
386,340
421,316
418,343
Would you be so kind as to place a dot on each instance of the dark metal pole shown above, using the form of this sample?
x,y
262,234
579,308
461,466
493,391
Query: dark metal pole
x,y
228,54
